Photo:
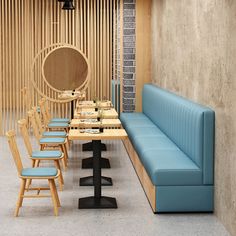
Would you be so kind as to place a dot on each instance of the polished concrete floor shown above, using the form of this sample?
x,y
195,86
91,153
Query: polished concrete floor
x,y
133,216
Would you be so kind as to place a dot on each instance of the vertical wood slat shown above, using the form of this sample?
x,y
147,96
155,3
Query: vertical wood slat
x,y
29,26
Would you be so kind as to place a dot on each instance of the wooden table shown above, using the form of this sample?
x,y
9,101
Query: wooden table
x,y
93,123
91,104
97,201
90,113
73,95
87,163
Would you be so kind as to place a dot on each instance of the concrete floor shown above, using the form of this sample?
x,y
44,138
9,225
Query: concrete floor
x,y
133,216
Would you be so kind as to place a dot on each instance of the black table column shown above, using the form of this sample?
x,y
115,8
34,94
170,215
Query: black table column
x,y
97,201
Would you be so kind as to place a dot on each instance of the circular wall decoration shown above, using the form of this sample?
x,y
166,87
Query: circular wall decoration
x,y
58,68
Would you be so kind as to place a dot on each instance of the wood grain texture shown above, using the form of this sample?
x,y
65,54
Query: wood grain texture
x,y
27,30
148,187
143,48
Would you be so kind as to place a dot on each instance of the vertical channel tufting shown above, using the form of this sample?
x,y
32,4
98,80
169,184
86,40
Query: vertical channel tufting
x,y
180,119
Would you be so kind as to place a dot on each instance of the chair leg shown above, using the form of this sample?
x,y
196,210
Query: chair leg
x,y
56,194
54,200
60,178
20,197
65,153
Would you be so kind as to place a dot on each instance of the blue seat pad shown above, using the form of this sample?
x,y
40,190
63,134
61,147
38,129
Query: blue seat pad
x,y
58,124
39,172
52,140
60,120
55,133
171,167
143,143
47,154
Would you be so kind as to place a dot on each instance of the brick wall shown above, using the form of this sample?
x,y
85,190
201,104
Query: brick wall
x,y
129,56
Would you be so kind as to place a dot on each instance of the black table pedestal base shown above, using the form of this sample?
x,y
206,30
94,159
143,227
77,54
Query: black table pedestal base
x,y
89,147
88,181
97,203
87,163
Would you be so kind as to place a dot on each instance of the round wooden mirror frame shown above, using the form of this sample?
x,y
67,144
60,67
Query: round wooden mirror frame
x,y
47,52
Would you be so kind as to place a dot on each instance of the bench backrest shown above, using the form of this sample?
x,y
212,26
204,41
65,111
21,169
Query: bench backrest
x,y
189,125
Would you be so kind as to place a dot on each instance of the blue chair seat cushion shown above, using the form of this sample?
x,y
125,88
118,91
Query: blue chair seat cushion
x,y
55,133
171,167
39,172
58,124
52,140
46,154
154,142
60,120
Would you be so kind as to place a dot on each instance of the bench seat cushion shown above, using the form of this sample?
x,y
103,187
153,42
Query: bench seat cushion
x,y
142,131
170,167
142,144
135,119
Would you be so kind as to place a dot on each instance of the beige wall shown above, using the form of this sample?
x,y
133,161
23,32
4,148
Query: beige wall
x,y
194,54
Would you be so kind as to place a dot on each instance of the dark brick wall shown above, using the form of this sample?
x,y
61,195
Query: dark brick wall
x,y
129,56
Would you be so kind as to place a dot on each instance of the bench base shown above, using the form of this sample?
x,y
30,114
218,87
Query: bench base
x,y
147,185
172,198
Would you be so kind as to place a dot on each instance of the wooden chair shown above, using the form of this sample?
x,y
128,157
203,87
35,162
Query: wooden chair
x,y
25,174
47,143
44,155
50,133
55,123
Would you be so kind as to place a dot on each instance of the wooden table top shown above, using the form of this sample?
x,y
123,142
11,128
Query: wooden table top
x,y
67,94
89,123
91,104
92,114
107,134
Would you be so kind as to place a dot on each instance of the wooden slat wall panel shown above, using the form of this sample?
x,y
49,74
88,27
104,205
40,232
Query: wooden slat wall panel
x,y
28,26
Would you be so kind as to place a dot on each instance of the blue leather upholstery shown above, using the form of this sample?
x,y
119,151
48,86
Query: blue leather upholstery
x,y
143,131
60,120
46,154
186,123
142,144
57,124
52,140
185,198
170,167
55,134
174,140
39,172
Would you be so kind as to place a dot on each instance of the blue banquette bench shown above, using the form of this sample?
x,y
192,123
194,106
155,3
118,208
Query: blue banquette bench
x,y
171,146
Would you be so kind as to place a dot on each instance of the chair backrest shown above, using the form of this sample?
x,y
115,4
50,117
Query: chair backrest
x,y
34,125
43,111
26,98
11,136
24,132
38,120
47,110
